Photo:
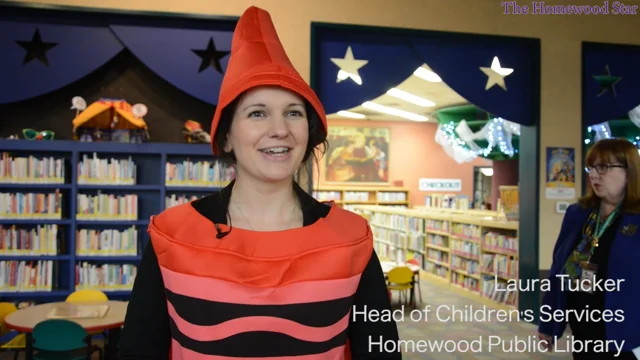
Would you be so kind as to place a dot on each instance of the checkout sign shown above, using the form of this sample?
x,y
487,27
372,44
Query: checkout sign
x,y
440,185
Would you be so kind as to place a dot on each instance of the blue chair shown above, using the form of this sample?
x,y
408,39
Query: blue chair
x,y
59,339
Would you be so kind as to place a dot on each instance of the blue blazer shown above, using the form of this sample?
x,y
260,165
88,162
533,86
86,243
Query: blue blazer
x,y
624,264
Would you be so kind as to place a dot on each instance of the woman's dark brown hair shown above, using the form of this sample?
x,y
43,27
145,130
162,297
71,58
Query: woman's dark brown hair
x,y
616,151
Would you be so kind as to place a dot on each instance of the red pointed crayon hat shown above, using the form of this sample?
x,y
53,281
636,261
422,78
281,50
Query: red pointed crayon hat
x,y
258,59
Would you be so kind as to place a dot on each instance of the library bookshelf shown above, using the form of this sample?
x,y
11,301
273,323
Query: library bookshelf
x,y
74,215
352,195
468,251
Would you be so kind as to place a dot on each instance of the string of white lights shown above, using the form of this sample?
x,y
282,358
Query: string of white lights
x,y
498,133
453,145
603,130
600,131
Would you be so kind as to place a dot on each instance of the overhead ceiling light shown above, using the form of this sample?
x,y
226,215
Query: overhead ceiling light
x,y
427,75
395,112
486,171
408,97
350,114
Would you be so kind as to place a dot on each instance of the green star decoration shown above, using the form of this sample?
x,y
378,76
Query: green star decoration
x,y
607,82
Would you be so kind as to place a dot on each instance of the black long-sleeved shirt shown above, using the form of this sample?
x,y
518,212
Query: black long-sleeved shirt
x,y
147,333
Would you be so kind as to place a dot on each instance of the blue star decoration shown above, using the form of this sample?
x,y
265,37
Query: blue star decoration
x,y
210,57
36,49
607,82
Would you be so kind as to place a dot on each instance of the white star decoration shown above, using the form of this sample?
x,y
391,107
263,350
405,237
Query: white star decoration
x,y
349,67
496,74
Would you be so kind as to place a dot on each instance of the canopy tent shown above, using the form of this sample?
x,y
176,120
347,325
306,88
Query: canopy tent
x,y
100,115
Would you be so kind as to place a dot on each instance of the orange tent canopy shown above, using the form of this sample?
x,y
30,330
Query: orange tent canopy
x,y
100,115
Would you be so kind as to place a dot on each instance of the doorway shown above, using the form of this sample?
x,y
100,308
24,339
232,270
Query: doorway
x,y
482,184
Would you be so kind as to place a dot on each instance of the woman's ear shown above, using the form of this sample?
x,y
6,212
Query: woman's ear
x,y
227,145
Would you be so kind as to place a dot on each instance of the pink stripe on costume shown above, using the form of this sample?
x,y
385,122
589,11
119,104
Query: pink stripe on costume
x,y
224,291
257,323
180,353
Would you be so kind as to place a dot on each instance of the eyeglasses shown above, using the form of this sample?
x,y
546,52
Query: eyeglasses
x,y
31,134
603,168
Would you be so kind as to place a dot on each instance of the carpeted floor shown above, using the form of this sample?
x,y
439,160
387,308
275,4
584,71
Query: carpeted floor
x,y
442,338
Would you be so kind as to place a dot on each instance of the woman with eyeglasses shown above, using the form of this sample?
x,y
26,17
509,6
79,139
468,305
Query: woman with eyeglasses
x,y
595,278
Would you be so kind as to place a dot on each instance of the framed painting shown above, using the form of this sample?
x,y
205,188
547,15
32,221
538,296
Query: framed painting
x,y
357,155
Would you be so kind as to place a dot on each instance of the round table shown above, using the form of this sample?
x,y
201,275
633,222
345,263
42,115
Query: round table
x,y
24,320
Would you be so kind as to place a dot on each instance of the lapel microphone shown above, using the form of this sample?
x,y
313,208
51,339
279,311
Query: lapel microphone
x,y
220,234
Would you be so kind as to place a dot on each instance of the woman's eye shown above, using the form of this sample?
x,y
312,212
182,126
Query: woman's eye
x,y
295,113
256,114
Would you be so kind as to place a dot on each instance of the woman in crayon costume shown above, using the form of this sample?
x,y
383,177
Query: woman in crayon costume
x,y
259,269
594,278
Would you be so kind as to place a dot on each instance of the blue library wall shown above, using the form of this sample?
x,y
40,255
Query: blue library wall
x,y
150,159
120,55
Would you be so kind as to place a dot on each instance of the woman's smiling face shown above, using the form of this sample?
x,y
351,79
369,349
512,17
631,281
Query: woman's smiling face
x,y
269,134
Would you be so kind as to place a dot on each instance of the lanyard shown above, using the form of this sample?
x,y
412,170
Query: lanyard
x,y
598,231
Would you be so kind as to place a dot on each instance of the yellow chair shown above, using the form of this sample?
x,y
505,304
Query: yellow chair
x,y
87,296
400,279
19,342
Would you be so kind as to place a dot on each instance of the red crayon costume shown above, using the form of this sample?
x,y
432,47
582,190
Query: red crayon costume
x,y
248,294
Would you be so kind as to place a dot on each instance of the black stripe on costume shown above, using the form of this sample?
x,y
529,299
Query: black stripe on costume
x,y
258,344
205,312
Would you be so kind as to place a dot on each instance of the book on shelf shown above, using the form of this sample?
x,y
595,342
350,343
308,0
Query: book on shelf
x,y
93,170
416,242
31,170
107,207
76,216
439,257
438,270
470,267
356,196
28,276
500,243
498,291
502,266
466,251
198,174
37,206
465,248
381,195
466,231
107,242
437,225
465,282
327,195
174,200
39,240
391,196
105,277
